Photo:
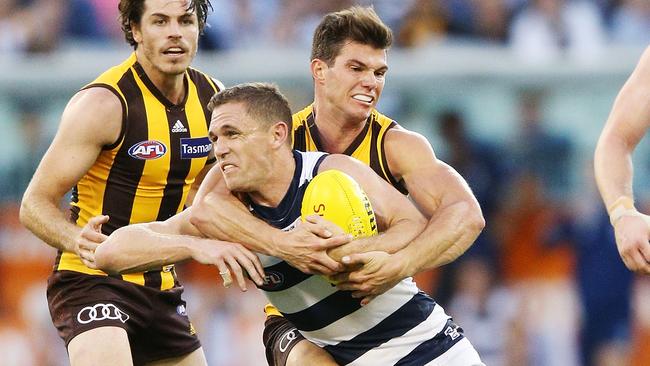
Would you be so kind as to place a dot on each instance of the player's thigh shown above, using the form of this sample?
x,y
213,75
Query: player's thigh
x,y
100,346
307,353
194,358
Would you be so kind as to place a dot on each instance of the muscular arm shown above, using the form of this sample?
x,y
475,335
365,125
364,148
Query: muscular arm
x,y
455,218
398,220
92,119
625,127
148,246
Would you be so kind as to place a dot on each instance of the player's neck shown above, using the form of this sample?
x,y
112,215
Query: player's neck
x,y
336,133
171,86
273,189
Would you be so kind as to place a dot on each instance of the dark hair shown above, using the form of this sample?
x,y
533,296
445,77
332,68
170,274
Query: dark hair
x,y
131,13
358,24
263,102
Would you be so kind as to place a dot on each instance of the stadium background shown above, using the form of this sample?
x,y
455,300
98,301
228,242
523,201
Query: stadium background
x,y
512,93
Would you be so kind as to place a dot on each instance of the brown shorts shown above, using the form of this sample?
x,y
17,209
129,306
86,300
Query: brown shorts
x,y
155,321
279,337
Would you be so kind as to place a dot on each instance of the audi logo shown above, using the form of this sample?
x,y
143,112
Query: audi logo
x,y
286,339
101,312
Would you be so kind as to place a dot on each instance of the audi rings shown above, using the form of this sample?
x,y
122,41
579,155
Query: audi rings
x,y
101,312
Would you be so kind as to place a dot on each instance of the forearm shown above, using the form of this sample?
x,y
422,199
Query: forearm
x,y
397,237
225,218
48,222
447,235
137,248
613,169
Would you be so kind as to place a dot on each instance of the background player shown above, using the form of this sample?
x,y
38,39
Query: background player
x,y
626,126
131,144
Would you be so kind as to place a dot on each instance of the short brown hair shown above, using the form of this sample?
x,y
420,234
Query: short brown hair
x,y
131,13
263,102
358,24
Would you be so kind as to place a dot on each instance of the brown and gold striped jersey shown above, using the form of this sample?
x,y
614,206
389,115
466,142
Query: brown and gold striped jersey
x,y
147,173
367,147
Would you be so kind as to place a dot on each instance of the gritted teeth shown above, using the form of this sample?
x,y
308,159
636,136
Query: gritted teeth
x,y
363,98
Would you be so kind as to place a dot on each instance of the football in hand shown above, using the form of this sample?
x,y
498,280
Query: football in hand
x,y
338,198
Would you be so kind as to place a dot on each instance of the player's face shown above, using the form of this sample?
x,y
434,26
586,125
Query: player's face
x,y
356,79
167,36
241,147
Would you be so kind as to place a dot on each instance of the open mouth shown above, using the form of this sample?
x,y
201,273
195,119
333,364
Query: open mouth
x,y
174,51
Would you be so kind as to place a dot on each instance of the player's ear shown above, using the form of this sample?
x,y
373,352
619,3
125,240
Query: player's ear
x,y
318,68
135,30
279,133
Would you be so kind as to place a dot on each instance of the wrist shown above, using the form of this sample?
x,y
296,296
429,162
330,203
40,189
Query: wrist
x,y
406,264
275,249
622,206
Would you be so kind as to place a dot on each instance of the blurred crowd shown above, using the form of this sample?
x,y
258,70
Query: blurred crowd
x,y
543,284
538,29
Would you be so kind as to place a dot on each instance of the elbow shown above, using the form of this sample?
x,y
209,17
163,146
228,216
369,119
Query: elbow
x,y
473,221
197,217
23,213
105,257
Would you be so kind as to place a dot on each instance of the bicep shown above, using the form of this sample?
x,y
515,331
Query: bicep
x,y
431,183
630,115
78,141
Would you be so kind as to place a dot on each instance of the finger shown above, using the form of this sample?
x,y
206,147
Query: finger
x,y
316,268
97,222
354,259
235,268
95,236
339,277
644,249
329,263
318,226
367,299
254,268
224,272
88,264
634,260
336,241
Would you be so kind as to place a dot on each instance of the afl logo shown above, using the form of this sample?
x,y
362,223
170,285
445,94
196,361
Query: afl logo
x,y
148,150
272,281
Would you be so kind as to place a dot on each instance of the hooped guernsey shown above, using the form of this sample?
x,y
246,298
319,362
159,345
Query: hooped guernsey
x,y
147,173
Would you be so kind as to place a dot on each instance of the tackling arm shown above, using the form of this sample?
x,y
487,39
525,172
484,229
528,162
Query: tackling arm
x,y
455,217
149,246
219,214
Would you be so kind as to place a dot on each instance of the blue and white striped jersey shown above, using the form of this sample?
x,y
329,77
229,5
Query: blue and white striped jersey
x,y
403,326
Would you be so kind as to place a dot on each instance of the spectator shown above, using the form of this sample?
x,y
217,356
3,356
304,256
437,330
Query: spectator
x,y
544,30
631,23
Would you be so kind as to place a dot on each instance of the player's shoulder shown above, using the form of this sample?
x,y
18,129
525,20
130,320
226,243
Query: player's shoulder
x,y
201,77
98,99
403,137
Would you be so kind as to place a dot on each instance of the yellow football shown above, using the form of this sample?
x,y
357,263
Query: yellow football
x,y
338,198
